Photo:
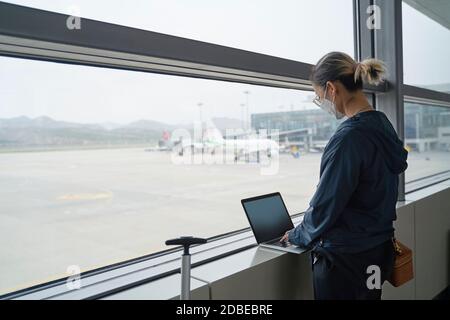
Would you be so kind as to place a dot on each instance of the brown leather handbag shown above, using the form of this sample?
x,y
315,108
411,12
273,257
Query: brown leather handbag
x,y
403,267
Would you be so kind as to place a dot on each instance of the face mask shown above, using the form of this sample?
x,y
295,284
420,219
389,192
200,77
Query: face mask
x,y
329,106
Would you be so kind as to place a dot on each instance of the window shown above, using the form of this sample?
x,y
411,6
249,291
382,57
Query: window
x,y
427,136
425,57
91,171
298,30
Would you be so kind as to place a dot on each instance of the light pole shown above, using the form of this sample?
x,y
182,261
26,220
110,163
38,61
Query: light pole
x,y
200,104
243,116
247,93
283,119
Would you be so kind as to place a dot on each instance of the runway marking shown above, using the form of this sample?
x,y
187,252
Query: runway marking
x,y
86,196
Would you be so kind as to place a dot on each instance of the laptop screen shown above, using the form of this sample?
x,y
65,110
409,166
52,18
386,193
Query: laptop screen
x,y
268,216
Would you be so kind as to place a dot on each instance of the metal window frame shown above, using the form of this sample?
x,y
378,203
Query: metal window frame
x,y
37,34
111,279
108,280
426,96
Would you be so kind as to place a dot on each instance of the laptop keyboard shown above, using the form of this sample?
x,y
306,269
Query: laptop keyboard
x,y
280,244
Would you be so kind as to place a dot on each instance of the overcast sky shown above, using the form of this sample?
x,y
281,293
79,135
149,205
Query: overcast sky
x,y
298,30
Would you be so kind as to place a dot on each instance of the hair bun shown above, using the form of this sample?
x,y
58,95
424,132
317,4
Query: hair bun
x,y
371,71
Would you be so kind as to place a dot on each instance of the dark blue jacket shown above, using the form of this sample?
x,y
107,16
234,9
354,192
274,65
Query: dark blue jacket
x,y
353,208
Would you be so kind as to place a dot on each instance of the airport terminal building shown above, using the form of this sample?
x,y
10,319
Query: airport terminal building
x,y
425,129
320,124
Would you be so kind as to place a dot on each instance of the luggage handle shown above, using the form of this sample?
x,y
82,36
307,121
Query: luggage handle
x,y
186,242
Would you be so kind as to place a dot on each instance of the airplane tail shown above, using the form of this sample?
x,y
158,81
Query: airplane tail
x,y
212,134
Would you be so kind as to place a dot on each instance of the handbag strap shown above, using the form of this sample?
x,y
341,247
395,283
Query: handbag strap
x,y
398,249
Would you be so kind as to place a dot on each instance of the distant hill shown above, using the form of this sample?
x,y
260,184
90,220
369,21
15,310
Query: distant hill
x,y
149,125
46,132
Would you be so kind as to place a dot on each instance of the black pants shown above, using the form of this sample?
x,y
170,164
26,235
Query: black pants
x,y
339,276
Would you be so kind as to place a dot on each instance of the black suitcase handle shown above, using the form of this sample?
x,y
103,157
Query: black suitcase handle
x,y
185,242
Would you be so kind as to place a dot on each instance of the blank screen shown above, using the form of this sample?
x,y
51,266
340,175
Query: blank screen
x,y
268,217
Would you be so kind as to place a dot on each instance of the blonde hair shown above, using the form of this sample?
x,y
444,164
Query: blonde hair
x,y
371,71
340,66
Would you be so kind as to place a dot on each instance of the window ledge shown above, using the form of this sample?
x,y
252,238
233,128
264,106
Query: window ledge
x,y
240,249
110,280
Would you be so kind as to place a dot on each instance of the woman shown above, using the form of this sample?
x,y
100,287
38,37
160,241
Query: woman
x,y
349,223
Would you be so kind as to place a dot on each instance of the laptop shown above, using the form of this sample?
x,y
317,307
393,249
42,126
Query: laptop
x,y
269,220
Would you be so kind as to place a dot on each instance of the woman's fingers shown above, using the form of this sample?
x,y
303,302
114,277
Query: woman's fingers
x,y
285,237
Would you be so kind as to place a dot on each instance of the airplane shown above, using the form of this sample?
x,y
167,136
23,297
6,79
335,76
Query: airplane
x,y
213,140
239,143
164,144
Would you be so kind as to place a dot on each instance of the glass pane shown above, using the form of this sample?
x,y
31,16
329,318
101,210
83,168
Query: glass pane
x,y
92,171
426,48
427,134
301,30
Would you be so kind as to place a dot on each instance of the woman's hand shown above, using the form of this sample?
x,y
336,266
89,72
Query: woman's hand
x,y
285,237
